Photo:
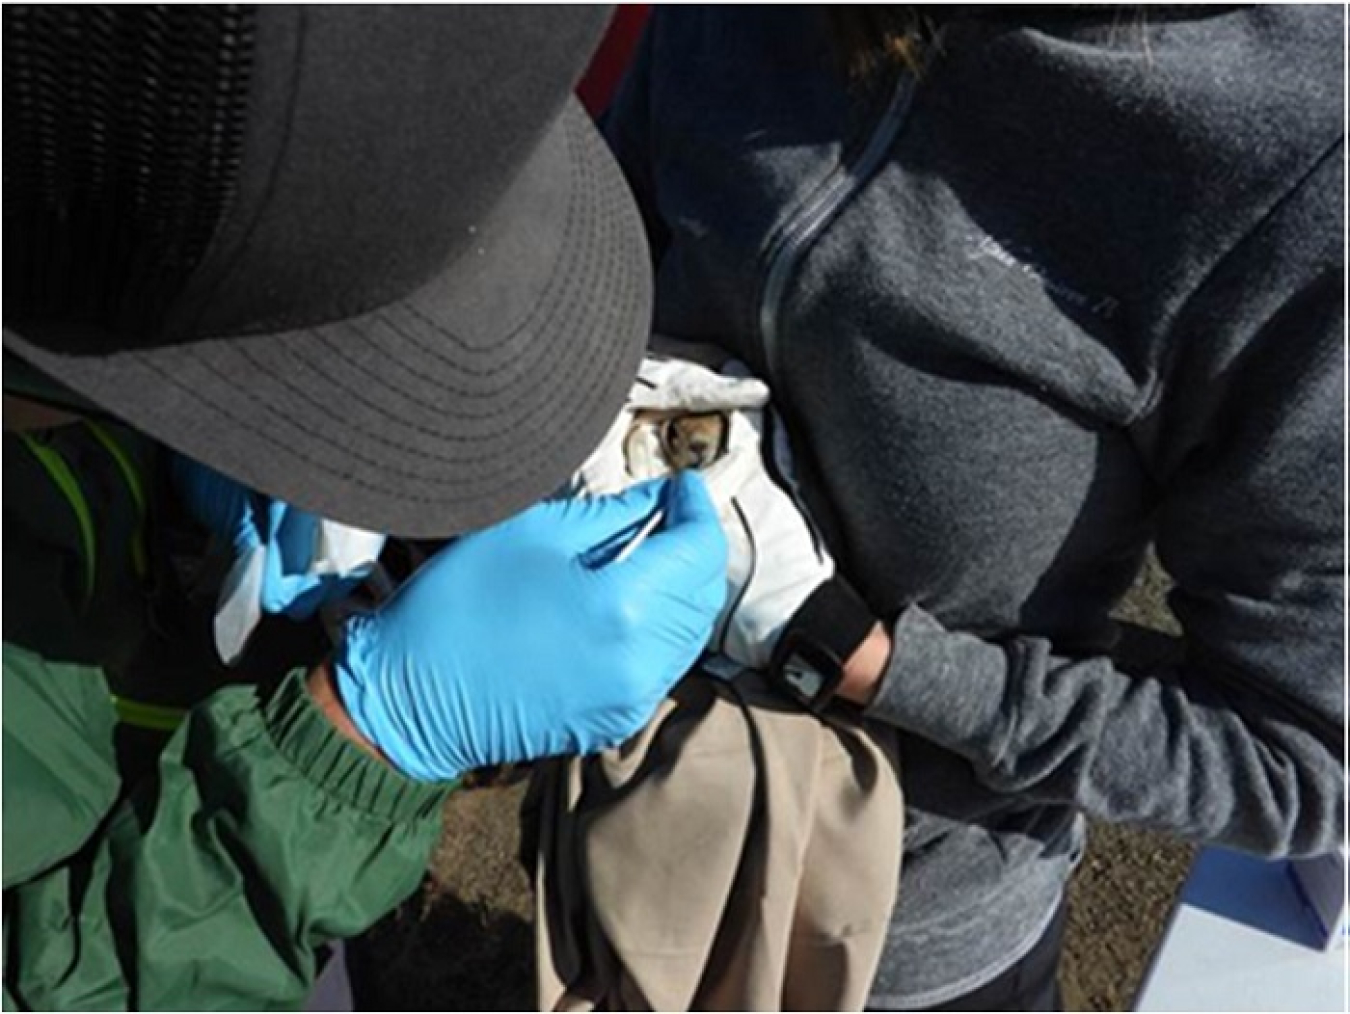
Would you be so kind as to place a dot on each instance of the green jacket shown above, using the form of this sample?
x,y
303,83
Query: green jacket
x,y
213,881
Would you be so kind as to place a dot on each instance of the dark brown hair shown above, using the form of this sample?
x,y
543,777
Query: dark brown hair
x,y
870,39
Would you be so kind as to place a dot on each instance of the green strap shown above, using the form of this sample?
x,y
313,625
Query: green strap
x,y
133,481
65,481
124,463
158,717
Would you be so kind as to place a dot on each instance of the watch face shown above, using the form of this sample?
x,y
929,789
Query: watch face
x,y
803,677
808,672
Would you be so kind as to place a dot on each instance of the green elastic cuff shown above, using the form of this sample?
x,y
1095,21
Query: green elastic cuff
x,y
305,736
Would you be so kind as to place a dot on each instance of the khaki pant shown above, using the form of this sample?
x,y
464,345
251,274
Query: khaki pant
x,y
739,853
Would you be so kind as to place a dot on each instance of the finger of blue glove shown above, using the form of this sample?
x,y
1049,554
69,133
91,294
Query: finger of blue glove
x,y
617,522
290,586
595,529
230,510
690,542
300,596
688,551
287,586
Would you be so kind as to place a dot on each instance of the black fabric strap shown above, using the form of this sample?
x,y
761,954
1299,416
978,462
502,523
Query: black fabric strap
x,y
835,617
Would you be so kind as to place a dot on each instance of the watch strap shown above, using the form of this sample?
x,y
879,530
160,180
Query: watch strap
x,y
825,631
835,617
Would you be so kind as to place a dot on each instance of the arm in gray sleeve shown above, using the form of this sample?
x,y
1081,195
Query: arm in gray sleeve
x,y
1240,743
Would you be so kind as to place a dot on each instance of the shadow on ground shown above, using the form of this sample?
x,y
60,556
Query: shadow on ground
x,y
465,940
441,953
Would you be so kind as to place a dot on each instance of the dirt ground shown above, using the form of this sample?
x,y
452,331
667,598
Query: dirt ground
x,y
465,941
1122,893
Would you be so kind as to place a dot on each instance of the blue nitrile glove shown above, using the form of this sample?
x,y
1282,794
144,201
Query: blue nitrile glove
x,y
272,551
529,639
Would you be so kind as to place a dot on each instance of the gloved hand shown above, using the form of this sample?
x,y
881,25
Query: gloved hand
x,y
529,639
285,560
775,557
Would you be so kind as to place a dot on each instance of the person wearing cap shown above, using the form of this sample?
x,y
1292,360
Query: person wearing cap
x,y
369,265
1036,288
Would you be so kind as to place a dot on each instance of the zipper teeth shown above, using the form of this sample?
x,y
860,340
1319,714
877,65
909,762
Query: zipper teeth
x,y
799,232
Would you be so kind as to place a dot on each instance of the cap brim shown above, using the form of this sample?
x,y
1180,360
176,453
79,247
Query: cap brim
x,y
446,411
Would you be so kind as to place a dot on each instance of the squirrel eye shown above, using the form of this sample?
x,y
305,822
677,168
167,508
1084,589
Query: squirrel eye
x,y
670,433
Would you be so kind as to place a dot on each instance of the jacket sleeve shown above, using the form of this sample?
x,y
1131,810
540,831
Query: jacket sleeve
x,y
264,835
1240,742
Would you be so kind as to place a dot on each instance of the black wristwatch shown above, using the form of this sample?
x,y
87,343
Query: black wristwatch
x,y
808,662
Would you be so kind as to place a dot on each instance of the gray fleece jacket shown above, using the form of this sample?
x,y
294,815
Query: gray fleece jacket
x,y
1077,289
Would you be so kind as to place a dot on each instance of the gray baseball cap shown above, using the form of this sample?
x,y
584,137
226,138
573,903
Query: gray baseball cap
x,y
375,261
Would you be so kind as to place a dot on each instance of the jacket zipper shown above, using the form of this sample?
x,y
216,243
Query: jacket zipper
x,y
801,230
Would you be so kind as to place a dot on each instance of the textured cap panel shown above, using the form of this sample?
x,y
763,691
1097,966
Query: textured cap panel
x,y
122,131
